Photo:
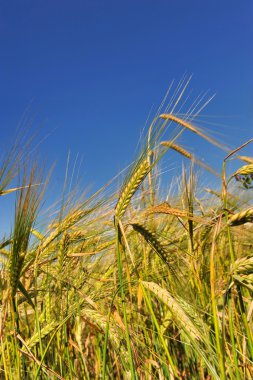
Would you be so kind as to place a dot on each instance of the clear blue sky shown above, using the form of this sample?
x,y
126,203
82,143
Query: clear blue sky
x,y
88,71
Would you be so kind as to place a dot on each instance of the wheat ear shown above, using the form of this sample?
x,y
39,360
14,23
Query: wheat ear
x,y
177,148
244,170
131,187
63,251
164,208
191,128
243,265
242,217
156,244
249,160
43,333
176,309
185,153
242,272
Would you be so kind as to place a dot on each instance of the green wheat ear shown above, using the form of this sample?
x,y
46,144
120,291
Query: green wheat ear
x,y
157,245
27,204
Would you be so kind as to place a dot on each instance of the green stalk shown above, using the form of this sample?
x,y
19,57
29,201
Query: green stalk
x,y
225,203
220,351
14,343
105,349
245,322
123,301
107,333
48,345
232,337
5,366
36,304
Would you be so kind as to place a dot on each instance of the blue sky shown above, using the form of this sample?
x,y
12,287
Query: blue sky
x,y
88,73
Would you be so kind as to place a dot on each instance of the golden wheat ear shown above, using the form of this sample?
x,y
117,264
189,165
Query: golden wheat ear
x,y
179,149
245,216
247,159
243,265
131,187
244,170
191,128
178,312
164,208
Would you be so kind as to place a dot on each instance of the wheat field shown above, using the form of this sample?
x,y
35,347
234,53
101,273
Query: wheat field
x,y
132,282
